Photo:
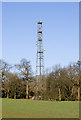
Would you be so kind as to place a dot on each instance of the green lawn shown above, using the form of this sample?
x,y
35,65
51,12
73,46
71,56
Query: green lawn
x,y
39,109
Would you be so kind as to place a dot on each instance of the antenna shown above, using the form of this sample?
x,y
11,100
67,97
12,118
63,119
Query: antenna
x,y
39,54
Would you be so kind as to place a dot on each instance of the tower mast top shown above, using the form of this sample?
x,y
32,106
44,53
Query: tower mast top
x,y
40,22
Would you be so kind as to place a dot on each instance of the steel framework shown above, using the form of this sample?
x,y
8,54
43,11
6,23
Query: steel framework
x,y
40,53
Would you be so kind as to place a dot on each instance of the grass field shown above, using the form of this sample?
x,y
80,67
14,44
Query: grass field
x,y
39,109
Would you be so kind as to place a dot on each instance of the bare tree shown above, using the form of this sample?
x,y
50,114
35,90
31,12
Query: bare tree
x,y
4,70
25,71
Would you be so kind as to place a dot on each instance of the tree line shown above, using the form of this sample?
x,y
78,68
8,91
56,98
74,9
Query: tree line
x,y
60,84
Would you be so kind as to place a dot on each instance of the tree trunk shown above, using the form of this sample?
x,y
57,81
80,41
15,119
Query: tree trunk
x,y
79,88
78,93
8,93
59,94
79,74
27,89
72,90
15,96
